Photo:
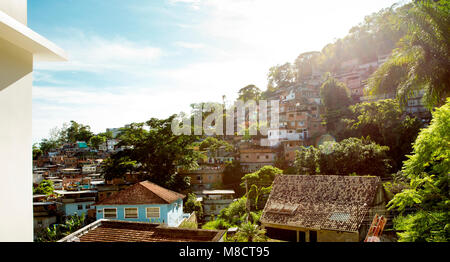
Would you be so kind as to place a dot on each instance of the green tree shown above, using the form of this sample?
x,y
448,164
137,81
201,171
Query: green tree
x,y
77,132
336,99
249,232
249,92
306,160
192,205
428,170
386,124
232,175
57,231
422,59
37,152
156,153
349,156
213,144
46,145
281,76
45,187
259,185
96,141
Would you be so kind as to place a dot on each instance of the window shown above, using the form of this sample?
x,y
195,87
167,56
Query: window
x,y
131,212
88,206
110,213
267,156
312,236
80,207
152,212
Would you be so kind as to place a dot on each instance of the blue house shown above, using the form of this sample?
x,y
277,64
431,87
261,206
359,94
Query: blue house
x,y
76,202
143,202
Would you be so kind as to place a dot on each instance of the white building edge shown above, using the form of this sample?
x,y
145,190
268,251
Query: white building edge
x,y
19,48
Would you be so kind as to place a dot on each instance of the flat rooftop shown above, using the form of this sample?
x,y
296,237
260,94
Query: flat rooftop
x,y
218,192
105,230
64,192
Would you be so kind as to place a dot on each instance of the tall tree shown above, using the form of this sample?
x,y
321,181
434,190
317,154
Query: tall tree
x,y
281,76
336,99
249,92
157,153
77,132
422,59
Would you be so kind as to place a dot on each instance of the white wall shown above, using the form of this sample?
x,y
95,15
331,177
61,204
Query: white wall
x,y
17,9
16,201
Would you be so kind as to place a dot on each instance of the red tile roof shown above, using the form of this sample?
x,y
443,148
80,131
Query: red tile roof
x,y
142,193
320,202
125,231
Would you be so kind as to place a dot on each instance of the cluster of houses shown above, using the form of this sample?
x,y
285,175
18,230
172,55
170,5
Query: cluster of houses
x,y
80,189
299,208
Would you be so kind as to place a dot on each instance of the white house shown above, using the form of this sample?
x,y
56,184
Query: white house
x,y
19,48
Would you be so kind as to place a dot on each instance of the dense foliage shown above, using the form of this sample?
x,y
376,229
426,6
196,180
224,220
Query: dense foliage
x,y
58,231
349,156
422,59
427,198
386,124
45,188
155,153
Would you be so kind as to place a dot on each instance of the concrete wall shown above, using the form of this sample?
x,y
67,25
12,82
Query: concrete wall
x,y
16,201
337,236
17,9
287,233
72,208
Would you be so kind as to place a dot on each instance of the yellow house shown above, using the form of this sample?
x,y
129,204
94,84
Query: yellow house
x,y
19,48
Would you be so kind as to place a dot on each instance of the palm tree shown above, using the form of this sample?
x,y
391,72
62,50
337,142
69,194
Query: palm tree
x,y
251,232
422,59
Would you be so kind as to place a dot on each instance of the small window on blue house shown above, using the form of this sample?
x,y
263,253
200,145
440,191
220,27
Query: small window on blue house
x,y
110,213
131,212
80,207
152,212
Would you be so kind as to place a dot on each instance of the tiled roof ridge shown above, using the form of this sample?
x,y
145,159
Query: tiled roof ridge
x,y
145,190
166,194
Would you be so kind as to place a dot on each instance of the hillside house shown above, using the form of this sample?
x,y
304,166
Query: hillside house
x,y
143,202
205,177
215,200
322,208
252,159
76,202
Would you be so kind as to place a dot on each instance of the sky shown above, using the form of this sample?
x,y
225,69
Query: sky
x,y
133,60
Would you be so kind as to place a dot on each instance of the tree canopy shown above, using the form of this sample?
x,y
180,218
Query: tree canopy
x,y
422,59
359,156
427,199
156,153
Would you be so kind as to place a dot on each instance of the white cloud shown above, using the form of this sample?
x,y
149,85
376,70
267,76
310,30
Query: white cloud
x,y
96,54
243,39
189,45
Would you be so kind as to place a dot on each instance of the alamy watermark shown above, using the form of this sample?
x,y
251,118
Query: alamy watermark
x,y
248,117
